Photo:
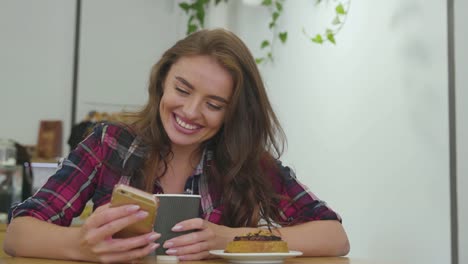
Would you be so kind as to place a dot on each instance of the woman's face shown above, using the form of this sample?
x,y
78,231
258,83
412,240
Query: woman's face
x,y
197,90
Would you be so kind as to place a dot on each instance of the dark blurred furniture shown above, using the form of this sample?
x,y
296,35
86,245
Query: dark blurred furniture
x,y
16,184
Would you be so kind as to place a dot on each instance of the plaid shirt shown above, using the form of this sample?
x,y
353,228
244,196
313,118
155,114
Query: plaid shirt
x,y
110,155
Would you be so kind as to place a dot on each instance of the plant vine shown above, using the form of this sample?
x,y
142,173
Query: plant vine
x,y
341,13
195,9
196,12
275,8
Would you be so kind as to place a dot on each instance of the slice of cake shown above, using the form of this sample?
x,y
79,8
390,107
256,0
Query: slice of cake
x,y
257,242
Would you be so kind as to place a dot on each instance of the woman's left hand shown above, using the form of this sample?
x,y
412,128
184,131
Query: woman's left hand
x,y
196,245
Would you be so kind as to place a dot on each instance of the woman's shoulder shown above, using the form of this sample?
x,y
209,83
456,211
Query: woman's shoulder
x,y
117,131
276,171
118,136
114,128
120,145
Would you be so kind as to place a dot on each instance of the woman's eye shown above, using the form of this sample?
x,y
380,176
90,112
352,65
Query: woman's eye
x,y
214,106
182,91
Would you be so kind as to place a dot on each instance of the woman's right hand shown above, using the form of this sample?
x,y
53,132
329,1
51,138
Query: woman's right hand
x,y
95,236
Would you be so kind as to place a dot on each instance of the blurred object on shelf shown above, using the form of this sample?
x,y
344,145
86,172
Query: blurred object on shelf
x,y
11,183
85,127
94,116
49,144
31,150
79,132
23,160
7,153
15,179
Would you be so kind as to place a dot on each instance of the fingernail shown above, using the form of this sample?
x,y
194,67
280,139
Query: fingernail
x,y
171,251
176,227
168,244
154,246
153,237
142,214
133,208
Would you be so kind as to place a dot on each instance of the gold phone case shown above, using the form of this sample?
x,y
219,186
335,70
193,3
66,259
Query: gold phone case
x,y
123,195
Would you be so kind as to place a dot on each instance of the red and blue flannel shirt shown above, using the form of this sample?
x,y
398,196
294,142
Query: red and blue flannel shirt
x,y
111,154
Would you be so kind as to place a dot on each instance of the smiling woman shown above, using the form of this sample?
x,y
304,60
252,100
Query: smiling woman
x,y
208,128
196,92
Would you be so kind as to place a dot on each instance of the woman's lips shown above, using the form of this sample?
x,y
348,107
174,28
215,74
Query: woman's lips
x,y
184,126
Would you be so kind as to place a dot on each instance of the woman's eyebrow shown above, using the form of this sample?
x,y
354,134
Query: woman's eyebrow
x,y
189,85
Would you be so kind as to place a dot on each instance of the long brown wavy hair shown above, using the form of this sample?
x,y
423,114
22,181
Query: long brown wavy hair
x,y
245,147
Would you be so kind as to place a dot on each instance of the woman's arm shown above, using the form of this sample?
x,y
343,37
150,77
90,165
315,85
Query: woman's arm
x,y
29,237
315,238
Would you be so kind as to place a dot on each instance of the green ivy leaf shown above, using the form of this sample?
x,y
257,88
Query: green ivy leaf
x,y
336,21
201,15
191,18
279,6
283,36
185,6
267,2
317,39
275,16
270,56
271,25
265,44
259,60
191,28
340,9
331,38
328,31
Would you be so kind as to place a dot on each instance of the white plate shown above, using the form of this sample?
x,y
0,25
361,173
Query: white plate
x,y
255,257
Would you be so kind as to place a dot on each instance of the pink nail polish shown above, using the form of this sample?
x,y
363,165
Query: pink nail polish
x,y
168,244
176,228
142,214
171,251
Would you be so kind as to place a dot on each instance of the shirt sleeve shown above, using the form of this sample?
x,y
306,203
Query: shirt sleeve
x,y
66,193
300,204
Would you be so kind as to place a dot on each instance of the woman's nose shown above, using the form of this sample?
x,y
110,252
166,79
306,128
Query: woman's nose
x,y
191,108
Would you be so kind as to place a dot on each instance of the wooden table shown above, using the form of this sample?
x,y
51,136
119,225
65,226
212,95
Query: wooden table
x,y
152,260
5,259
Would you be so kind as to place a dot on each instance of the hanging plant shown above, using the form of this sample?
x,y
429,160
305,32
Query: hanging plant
x,y
196,10
341,13
276,8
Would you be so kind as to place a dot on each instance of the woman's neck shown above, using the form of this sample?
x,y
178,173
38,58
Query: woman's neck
x,y
180,168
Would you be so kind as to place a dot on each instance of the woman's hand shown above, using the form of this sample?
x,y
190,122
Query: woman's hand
x,y
96,242
196,245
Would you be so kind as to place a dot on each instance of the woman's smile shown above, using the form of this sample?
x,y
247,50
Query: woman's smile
x,y
185,126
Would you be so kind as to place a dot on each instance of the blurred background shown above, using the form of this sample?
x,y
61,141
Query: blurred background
x,y
375,122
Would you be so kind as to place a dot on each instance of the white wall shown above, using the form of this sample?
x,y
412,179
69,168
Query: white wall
x,y
461,63
367,120
36,60
117,52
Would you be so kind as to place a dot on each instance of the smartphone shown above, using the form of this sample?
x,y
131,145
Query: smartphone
x,y
124,195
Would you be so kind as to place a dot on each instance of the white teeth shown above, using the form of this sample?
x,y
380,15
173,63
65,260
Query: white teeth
x,y
185,125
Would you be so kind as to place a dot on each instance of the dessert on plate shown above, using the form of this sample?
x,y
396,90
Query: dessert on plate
x,y
261,241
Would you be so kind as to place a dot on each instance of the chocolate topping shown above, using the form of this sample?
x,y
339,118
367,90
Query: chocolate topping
x,y
258,236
